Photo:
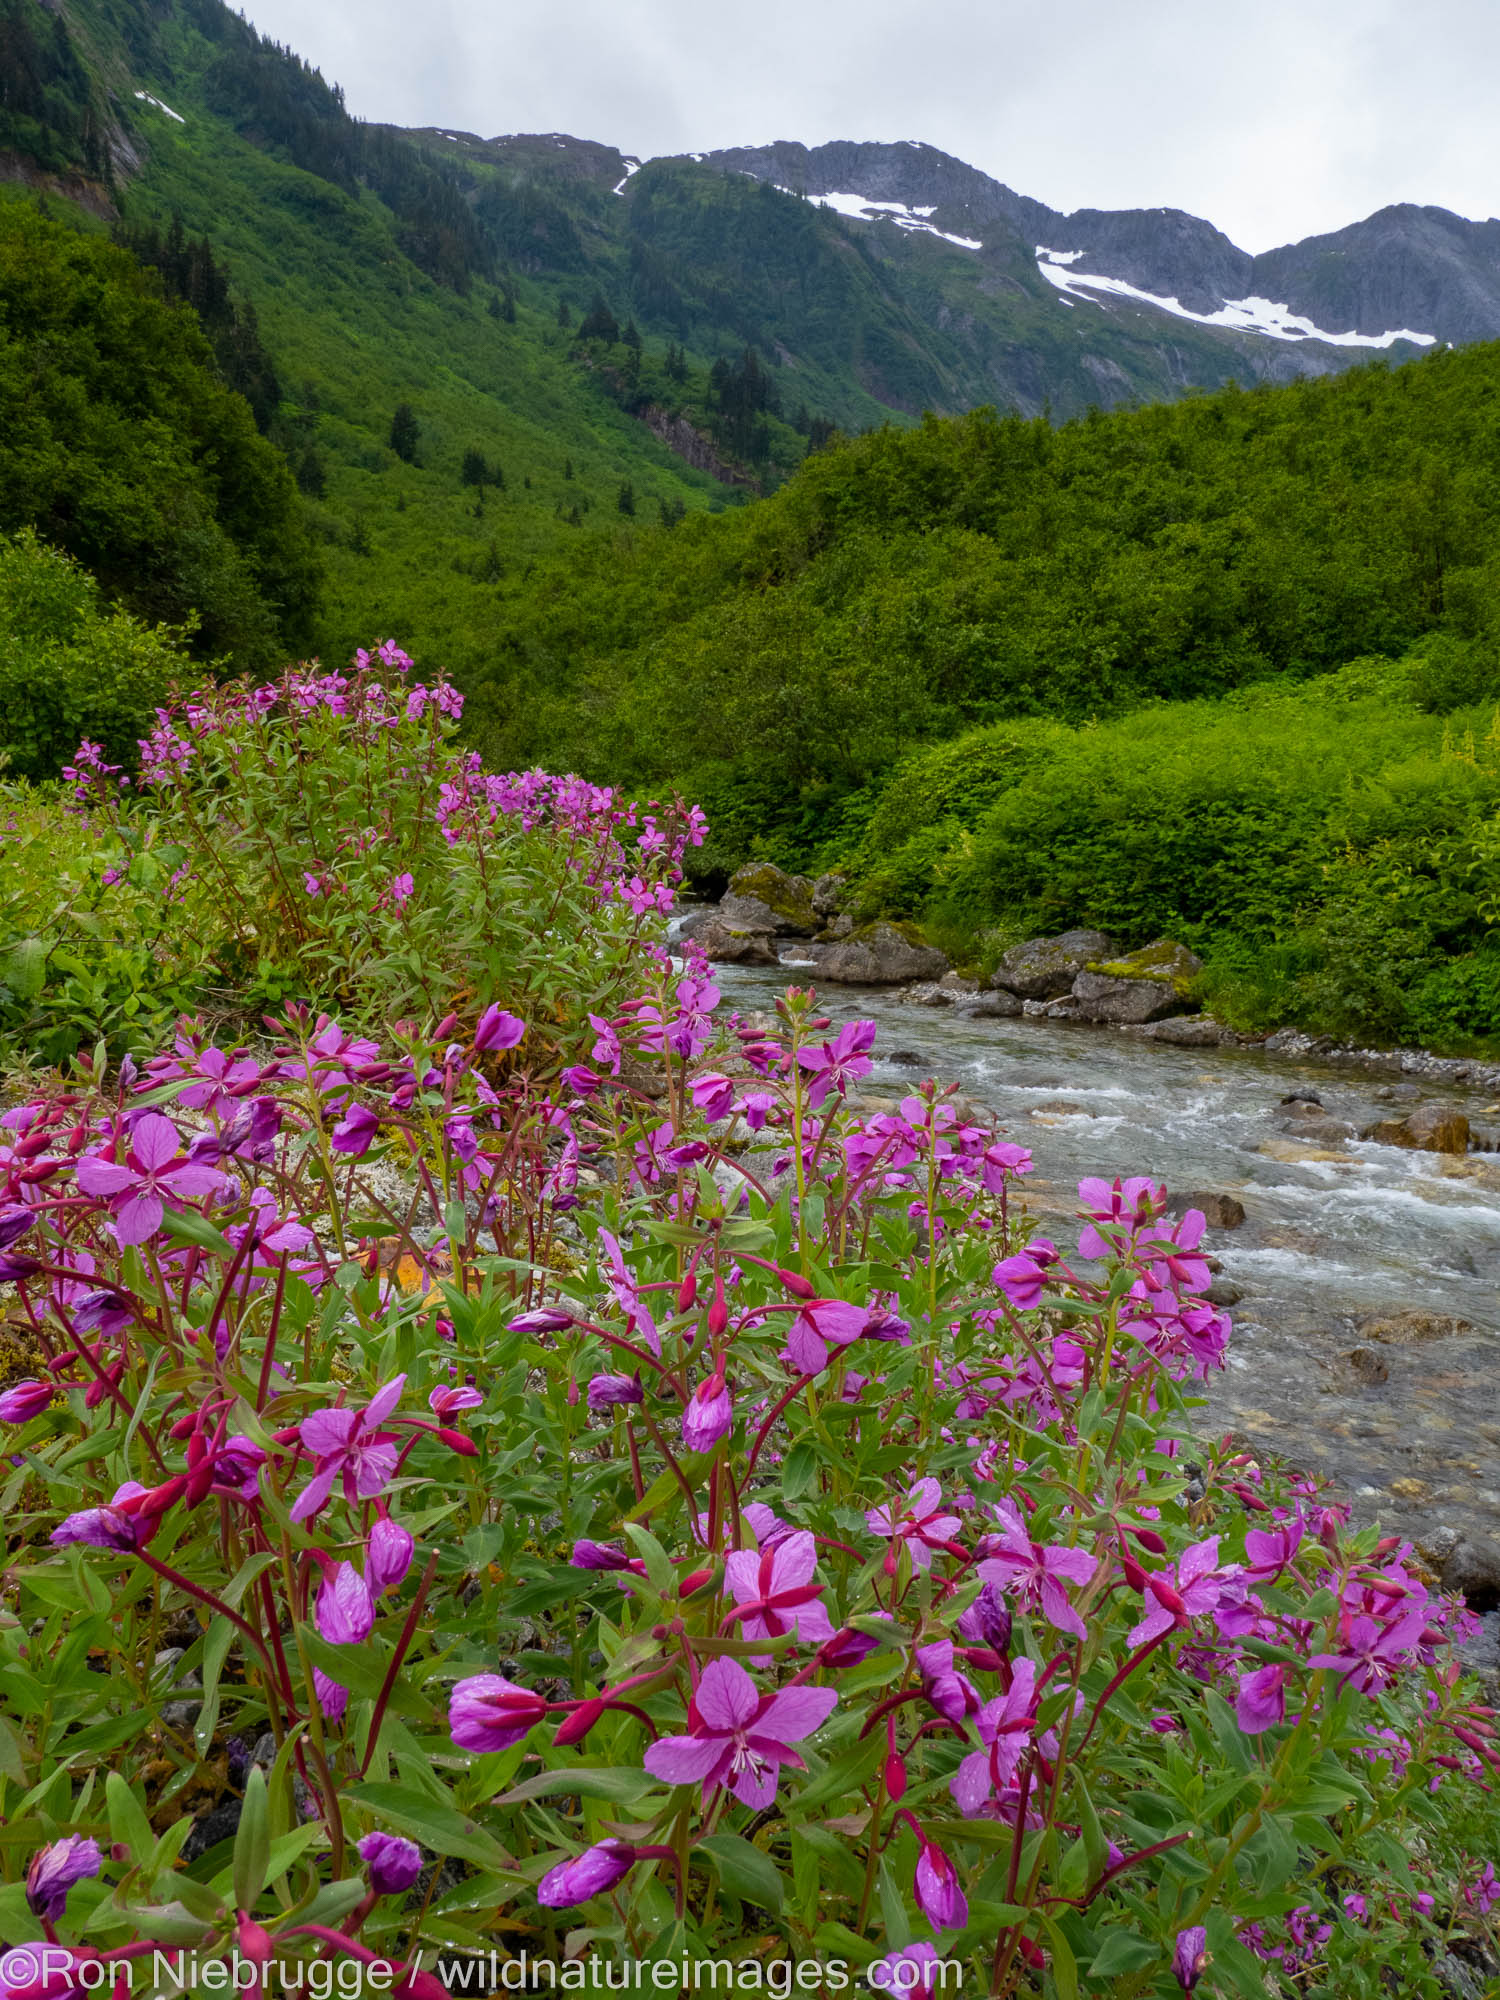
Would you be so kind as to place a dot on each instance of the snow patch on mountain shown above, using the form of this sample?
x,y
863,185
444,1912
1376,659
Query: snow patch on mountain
x,y
146,98
631,167
857,209
1251,315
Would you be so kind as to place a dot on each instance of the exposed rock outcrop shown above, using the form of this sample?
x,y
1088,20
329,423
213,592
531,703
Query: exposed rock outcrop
x,y
1431,1128
762,897
881,954
1145,985
1045,968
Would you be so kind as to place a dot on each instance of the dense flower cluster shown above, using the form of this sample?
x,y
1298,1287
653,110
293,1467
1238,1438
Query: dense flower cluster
x,y
651,1488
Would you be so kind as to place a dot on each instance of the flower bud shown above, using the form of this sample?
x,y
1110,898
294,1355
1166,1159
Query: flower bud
x,y
576,1726
253,1940
895,1776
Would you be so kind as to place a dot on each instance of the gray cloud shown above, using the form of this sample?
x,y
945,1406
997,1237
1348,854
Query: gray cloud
x,y
1275,121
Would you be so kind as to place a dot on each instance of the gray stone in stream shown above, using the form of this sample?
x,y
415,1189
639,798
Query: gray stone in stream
x,y
996,1006
879,955
1145,985
1043,968
727,945
762,897
1223,1292
927,993
1474,1569
1189,1031
1431,1128
1220,1211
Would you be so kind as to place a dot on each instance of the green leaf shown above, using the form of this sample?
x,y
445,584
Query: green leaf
x,y
185,1225
584,1781
744,1871
1064,1965
215,1648
128,1824
1122,1952
654,1556
800,1473
438,1827
252,1843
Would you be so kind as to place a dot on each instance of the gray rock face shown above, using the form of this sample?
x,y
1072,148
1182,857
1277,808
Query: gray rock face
x,y
995,1006
726,945
828,892
1190,1031
1146,985
880,956
1045,968
765,898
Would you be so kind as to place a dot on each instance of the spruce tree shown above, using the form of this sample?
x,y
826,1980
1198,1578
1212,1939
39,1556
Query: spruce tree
x,y
405,431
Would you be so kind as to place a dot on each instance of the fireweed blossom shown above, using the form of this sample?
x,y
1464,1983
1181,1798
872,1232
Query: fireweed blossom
x,y
55,1869
1023,1278
708,1414
1191,1589
348,1446
26,1400
938,1894
393,1864
488,1712
1033,1576
776,1583
834,1065
592,1873
137,1189
820,1328
918,1521
345,1611
739,1737
1006,1727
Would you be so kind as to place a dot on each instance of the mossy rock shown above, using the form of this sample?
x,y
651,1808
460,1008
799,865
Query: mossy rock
x,y
1165,962
764,897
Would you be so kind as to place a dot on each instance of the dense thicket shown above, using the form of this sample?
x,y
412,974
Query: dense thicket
x,y
189,271
49,108
912,583
120,444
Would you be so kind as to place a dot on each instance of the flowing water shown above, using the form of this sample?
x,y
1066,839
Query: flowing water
x,y
1340,1235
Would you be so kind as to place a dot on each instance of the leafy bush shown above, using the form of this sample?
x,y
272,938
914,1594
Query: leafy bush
x,y
783,1557
69,667
324,835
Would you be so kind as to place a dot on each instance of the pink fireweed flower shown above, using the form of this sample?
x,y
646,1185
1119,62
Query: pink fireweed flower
x,y
393,1863
1175,1597
390,1555
1270,1550
348,1446
621,1281
1190,1957
1119,1207
777,1582
917,1520
26,1400
497,1030
1260,1701
1023,1278
939,1896
951,1693
333,1698
592,1873
835,1064
1371,1651
739,1737
154,1168
1033,1576
609,1392
708,1413
55,1869
124,1525
713,1095
1006,1727
488,1712
820,1327
1000,1161
355,1132
401,889
916,1970
345,1610
451,1402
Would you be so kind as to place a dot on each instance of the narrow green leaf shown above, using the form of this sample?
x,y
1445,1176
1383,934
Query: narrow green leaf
x,y
252,1843
744,1871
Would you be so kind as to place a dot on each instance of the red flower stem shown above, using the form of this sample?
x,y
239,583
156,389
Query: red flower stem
x,y
271,1331
765,1430
1141,1653
207,1597
407,1631
111,1387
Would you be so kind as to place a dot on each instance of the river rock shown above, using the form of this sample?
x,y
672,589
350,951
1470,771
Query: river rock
x,y
728,944
1223,1292
1220,1211
995,1006
927,993
1431,1128
882,954
1146,985
1474,1569
1306,1119
1411,1328
1188,1031
829,891
762,897
1044,968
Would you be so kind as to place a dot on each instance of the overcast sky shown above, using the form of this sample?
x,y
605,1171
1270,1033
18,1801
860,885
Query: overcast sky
x,y
1276,120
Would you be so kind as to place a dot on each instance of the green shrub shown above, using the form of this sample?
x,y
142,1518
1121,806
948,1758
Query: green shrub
x,y
70,667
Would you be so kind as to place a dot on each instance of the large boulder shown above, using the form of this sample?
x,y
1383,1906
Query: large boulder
x,y
727,945
996,1006
765,898
1431,1128
881,954
1046,967
829,891
1146,985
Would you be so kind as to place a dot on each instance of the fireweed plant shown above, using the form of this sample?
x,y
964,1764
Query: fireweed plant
x,y
326,835
467,1501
